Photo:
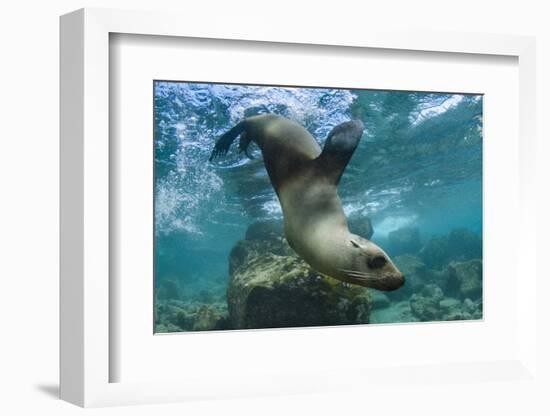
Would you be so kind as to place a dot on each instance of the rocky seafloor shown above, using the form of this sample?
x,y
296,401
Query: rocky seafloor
x,y
270,286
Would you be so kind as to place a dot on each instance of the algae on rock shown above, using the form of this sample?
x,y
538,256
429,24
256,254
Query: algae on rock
x,y
465,279
178,316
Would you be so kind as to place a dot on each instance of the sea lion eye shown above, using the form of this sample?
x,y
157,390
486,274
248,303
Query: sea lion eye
x,y
354,244
376,262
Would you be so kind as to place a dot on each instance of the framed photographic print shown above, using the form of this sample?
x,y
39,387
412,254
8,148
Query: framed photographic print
x,y
287,198
286,235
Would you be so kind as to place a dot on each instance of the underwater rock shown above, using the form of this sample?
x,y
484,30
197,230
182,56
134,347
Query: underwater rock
x,y
425,308
405,240
465,279
169,314
433,291
396,312
178,316
464,244
167,327
438,276
456,316
450,305
361,225
459,245
468,306
245,251
184,320
455,310
168,289
435,252
415,273
271,287
205,296
478,314
207,318
379,300
426,305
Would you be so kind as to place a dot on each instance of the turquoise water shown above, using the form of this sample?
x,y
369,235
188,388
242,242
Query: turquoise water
x,y
417,173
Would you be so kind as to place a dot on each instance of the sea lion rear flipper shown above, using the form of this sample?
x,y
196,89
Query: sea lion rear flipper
x,y
224,142
339,147
244,143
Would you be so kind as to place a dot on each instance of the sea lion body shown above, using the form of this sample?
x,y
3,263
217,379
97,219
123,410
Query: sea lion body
x,y
305,178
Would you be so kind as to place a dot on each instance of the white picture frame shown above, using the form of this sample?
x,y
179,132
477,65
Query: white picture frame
x,y
85,265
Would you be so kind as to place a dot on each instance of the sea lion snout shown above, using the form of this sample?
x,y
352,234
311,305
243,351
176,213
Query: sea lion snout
x,y
389,282
392,279
399,281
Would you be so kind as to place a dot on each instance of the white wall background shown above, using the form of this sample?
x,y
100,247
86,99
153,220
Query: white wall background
x,y
29,206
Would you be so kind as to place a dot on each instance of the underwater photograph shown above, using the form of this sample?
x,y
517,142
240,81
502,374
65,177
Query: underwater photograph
x,y
279,207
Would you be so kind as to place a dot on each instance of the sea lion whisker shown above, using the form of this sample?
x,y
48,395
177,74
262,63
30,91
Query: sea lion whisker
x,y
357,273
365,277
360,277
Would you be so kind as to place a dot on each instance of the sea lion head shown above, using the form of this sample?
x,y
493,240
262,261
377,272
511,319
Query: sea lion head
x,y
369,266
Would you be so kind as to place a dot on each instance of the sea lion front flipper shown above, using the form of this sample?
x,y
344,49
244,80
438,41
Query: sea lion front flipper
x,y
339,147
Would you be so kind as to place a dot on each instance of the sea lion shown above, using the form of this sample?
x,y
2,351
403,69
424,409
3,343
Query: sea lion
x,y
305,179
